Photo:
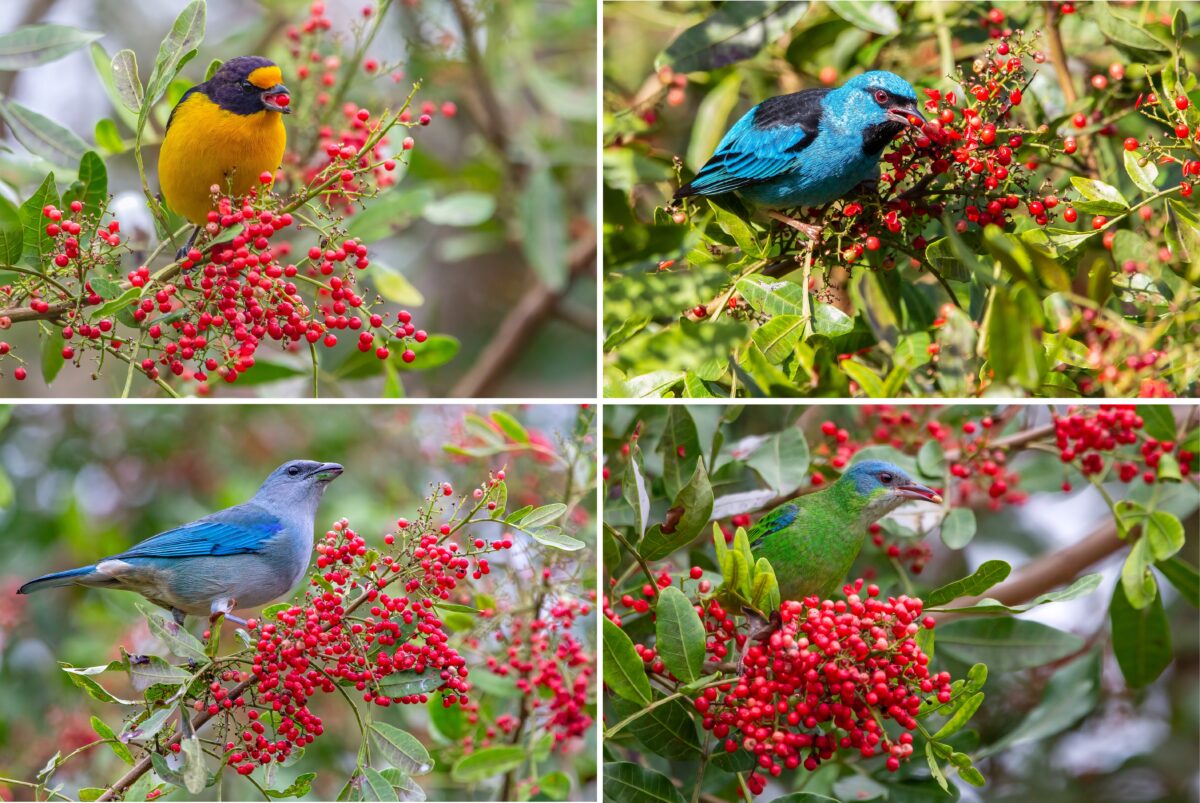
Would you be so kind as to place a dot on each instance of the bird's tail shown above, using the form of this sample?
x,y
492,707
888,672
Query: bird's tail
x,y
57,580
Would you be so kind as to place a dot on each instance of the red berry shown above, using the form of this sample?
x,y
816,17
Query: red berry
x,y
1131,144
1069,214
1181,103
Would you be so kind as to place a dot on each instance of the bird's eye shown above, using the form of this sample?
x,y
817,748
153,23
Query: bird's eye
x,y
294,470
247,86
881,97
886,478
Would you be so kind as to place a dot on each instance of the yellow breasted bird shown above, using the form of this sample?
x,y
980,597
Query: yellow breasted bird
x,y
226,131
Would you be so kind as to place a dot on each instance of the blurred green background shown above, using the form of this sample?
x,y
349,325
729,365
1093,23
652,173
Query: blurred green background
x,y
78,482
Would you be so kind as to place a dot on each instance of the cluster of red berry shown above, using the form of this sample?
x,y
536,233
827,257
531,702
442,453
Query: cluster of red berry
x,y
825,680
553,669
1088,437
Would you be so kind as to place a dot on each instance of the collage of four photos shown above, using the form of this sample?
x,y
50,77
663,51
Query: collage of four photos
x,y
637,401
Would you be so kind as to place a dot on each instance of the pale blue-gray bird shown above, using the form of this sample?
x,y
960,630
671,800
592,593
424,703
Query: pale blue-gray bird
x,y
242,557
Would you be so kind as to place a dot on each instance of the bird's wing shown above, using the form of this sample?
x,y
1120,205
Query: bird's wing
x,y
764,144
236,531
186,95
778,519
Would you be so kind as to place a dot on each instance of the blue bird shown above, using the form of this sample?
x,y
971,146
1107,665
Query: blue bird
x,y
810,147
241,557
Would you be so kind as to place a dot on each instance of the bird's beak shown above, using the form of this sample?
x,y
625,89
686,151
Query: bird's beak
x,y
277,99
914,490
905,114
327,472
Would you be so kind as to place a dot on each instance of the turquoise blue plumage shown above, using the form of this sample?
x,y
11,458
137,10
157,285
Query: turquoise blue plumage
x,y
810,147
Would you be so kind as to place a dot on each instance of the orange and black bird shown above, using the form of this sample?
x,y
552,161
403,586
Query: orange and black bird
x,y
226,131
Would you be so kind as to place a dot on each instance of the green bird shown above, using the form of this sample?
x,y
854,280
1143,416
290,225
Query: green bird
x,y
812,542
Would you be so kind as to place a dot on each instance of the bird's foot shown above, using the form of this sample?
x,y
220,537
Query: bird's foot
x,y
224,607
760,629
809,230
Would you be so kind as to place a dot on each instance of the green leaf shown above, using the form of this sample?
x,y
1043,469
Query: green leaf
x,y
126,80
104,732
958,528
52,357
1094,190
541,516
542,210
737,228
164,771
555,786
1141,637
149,727
1013,350
987,575
711,119
874,17
1136,577
433,353
174,635
195,776
466,208
782,460
690,510
212,68
1125,31
490,762
91,189
1072,693
42,136
176,49
942,255
150,670
1082,586
1164,531
377,787
624,671
869,382
1142,177
401,749
31,45
1004,644
830,321
804,797
633,490
931,460
38,245
961,716
12,233
679,635
409,683
859,787
630,783
778,337
449,720
1184,577
395,286
666,729
1159,421
298,788
510,426
772,298
680,449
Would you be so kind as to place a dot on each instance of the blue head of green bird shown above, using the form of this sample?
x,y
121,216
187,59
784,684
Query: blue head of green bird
x,y
884,487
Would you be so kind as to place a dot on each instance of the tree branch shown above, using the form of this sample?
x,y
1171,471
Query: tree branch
x,y
514,331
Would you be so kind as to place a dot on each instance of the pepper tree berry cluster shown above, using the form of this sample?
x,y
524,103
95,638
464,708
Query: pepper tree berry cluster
x,y
240,293
370,619
552,668
822,683
1089,437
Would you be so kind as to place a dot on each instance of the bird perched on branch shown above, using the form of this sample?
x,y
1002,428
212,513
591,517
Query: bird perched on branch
x,y
812,542
241,557
226,131
810,147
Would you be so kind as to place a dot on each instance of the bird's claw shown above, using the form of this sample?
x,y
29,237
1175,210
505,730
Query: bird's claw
x,y
809,230
760,629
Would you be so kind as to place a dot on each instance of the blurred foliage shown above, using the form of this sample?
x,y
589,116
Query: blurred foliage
x,y
708,300
81,482
1063,678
